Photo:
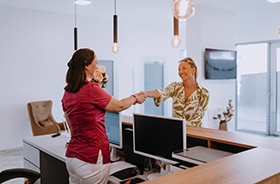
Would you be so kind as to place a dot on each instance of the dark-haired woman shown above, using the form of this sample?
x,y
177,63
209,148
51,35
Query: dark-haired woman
x,y
85,103
190,100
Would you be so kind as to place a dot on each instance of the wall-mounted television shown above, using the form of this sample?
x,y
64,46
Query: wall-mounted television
x,y
220,64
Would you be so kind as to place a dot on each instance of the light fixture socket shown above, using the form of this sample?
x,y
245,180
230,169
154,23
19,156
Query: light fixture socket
x,y
75,38
82,2
175,26
115,27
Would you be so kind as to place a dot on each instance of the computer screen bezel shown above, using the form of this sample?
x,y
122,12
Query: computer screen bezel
x,y
158,157
113,144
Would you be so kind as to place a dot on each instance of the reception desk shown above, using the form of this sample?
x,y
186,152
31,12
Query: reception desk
x,y
255,159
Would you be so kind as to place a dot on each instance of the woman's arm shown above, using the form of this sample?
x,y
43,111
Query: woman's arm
x,y
151,93
160,95
115,105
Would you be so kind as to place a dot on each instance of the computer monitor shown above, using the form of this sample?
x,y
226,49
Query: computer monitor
x,y
113,126
158,136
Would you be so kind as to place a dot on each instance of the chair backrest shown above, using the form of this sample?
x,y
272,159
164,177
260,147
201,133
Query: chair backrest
x,y
41,112
40,115
29,174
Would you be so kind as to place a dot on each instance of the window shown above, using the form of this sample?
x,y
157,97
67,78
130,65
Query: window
x,y
257,89
153,72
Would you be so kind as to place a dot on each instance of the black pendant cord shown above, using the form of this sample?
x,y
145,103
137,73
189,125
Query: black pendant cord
x,y
75,32
75,38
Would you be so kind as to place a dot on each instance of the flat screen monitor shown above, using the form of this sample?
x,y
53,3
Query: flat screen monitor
x,y
158,136
113,126
220,64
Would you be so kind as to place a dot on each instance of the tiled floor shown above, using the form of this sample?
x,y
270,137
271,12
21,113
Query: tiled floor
x,y
12,158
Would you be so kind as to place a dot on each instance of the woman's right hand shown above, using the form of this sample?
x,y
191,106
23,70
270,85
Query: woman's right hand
x,y
140,97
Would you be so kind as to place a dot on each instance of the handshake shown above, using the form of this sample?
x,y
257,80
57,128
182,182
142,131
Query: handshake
x,y
140,97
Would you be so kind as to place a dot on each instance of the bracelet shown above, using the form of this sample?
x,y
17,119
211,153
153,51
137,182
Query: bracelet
x,y
135,99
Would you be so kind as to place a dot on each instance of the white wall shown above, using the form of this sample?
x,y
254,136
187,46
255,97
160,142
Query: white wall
x,y
212,28
260,23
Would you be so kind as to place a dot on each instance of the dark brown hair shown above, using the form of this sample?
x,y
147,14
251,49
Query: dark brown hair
x,y
76,75
192,64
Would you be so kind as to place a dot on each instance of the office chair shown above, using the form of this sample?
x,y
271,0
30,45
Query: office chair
x,y
41,118
30,175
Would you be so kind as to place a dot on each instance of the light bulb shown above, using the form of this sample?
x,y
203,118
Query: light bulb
x,y
183,9
176,41
115,47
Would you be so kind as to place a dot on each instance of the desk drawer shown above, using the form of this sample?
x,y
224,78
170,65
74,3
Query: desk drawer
x,y
31,154
29,165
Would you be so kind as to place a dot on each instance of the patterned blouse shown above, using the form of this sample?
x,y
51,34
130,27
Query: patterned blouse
x,y
192,109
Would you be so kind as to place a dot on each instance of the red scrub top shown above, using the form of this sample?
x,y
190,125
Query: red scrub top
x,y
86,111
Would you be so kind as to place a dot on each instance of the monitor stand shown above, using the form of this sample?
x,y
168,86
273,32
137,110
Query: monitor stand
x,y
113,154
164,170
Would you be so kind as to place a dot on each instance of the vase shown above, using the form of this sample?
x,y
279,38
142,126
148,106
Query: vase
x,y
223,125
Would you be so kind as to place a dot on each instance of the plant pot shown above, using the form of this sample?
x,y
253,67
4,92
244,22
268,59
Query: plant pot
x,y
223,125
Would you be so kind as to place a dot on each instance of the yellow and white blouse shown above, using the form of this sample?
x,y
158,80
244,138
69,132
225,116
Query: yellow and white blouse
x,y
192,109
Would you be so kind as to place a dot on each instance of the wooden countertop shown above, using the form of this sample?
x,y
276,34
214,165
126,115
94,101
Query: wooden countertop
x,y
260,163
252,166
234,138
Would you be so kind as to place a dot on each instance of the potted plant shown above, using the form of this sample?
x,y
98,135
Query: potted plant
x,y
225,116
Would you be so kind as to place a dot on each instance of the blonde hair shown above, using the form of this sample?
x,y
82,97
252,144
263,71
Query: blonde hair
x,y
191,62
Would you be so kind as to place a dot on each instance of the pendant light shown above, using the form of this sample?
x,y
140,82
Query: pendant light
x,y
75,31
78,2
176,41
183,9
115,47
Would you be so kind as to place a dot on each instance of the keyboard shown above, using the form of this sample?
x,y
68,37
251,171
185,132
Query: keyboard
x,y
126,173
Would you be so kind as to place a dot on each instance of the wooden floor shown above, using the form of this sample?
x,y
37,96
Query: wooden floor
x,y
12,158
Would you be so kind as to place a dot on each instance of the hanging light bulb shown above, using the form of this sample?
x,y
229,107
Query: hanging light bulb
x,y
176,41
115,47
183,9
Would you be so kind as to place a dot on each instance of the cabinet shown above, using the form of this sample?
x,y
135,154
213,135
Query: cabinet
x,y
46,155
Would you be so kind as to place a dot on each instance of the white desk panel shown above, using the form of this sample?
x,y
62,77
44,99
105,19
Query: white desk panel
x,y
52,146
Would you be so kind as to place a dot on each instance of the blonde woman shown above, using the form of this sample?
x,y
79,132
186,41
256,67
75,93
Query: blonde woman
x,y
190,100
